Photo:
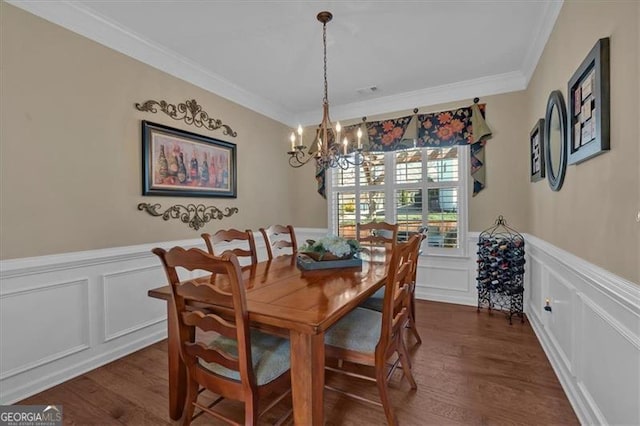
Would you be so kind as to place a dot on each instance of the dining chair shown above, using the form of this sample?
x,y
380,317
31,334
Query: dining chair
x,y
273,238
375,302
230,235
240,363
377,233
371,338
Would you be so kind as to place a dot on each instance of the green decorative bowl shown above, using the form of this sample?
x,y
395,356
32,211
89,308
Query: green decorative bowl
x,y
321,257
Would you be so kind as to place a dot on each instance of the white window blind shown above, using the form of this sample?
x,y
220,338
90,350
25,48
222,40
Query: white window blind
x,y
419,187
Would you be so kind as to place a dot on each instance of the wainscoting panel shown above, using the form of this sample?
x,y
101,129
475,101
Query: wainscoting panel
x,y
449,279
44,343
534,282
609,365
560,322
63,315
592,334
127,308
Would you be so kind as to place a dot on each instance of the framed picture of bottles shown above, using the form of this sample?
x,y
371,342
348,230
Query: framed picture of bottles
x,y
184,164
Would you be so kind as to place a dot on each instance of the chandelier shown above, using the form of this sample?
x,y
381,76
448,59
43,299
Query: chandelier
x,y
326,148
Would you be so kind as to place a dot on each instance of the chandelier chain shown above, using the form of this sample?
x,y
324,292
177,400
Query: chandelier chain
x,y
324,43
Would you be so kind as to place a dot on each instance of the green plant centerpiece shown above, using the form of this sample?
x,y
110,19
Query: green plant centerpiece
x,y
330,247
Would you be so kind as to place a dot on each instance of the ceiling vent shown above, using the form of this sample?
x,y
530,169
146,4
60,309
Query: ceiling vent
x,y
367,90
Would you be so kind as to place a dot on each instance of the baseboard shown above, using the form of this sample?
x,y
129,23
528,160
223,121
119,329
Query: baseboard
x,y
445,298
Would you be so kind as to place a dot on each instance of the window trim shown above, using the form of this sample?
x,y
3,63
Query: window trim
x,y
464,177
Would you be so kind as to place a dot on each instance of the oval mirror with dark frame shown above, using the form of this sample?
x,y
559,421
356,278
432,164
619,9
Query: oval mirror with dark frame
x,y
555,140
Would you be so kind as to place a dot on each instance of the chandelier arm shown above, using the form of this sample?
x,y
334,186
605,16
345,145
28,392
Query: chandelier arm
x,y
299,158
293,162
358,159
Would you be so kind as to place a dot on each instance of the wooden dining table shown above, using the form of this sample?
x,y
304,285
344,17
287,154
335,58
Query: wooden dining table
x,y
303,304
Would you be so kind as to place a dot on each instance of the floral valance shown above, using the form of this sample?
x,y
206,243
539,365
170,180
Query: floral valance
x,y
461,126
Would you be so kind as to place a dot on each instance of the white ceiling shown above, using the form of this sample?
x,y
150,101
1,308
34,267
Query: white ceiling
x,y
267,55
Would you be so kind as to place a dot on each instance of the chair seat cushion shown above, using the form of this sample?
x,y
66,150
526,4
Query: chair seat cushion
x,y
358,331
270,356
375,301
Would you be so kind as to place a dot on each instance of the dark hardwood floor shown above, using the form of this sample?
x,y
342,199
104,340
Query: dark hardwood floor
x,y
471,369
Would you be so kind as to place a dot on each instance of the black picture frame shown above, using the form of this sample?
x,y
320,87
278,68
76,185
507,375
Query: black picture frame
x,y
536,149
589,106
178,163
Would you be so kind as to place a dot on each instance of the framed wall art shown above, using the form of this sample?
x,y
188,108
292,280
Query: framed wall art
x,y
589,105
184,164
536,145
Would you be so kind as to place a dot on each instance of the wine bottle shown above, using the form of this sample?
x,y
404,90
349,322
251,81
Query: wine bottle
x,y
204,174
173,164
182,170
162,163
194,172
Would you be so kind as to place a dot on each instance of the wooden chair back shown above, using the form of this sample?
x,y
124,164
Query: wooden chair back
x,y
377,233
396,303
229,235
275,242
414,255
227,291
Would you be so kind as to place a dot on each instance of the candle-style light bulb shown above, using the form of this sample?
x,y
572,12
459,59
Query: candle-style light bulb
x,y
359,138
300,133
338,129
293,140
345,142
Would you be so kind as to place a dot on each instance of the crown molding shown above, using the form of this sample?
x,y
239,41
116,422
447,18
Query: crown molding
x,y
86,22
484,86
545,26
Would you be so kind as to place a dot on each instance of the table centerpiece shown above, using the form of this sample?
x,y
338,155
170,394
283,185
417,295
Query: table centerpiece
x,y
329,252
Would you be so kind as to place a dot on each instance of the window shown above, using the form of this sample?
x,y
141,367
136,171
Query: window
x,y
414,188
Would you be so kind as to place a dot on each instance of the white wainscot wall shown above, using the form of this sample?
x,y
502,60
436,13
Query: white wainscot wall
x,y
591,335
63,315
449,279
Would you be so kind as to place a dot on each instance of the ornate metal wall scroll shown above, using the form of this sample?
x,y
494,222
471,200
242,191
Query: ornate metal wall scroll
x,y
189,112
196,216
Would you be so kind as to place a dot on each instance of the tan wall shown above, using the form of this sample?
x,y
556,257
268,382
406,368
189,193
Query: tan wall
x,y
309,208
593,215
507,173
70,147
